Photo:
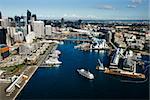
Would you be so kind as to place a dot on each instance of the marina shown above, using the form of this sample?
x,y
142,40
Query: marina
x,y
11,92
72,49
50,79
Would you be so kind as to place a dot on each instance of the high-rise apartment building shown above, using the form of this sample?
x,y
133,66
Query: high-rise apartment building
x,y
38,28
48,30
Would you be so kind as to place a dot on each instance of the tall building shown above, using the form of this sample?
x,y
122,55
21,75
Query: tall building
x,y
62,22
30,37
4,22
38,28
11,22
22,21
28,16
0,17
108,36
48,30
79,23
34,18
9,40
3,36
18,36
11,31
28,20
17,20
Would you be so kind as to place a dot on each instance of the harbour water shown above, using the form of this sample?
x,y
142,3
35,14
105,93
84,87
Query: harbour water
x,y
64,82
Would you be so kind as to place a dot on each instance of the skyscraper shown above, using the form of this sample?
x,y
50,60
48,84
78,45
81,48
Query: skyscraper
x,y
38,28
48,30
62,22
17,20
0,18
3,36
28,20
28,16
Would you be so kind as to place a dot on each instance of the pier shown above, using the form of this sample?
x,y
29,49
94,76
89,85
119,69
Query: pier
x,y
7,90
68,39
120,72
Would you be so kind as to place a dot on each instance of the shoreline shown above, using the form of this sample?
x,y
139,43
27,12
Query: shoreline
x,y
29,71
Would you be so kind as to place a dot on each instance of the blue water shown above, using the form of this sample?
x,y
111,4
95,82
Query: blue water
x,y
65,83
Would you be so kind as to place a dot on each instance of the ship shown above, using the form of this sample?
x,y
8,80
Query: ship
x,y
85,73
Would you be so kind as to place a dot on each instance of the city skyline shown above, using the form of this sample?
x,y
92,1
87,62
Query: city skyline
x,y
84,9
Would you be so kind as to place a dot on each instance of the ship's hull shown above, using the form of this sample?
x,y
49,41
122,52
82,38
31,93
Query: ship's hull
x,y
86,74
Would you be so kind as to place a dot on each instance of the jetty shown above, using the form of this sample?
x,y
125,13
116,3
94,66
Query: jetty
x,y
121,72
11,91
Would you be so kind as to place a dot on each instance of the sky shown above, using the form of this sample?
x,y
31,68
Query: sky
x,y
84,9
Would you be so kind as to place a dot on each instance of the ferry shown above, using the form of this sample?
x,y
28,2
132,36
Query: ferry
x,y
85,73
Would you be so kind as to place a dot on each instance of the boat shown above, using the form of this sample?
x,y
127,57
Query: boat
x,y
54,55
61,42
53,61
101,66
85,73
57,52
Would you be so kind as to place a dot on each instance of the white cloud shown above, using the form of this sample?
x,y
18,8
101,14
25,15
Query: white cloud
x,y
132,6
76,16
107,7
136,1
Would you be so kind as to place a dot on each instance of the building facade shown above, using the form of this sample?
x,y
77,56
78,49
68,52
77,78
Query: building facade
x,y
38,28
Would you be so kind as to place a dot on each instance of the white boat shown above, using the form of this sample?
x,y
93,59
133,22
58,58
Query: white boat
x,y
85,73
53,55
61,42
53,61
57,52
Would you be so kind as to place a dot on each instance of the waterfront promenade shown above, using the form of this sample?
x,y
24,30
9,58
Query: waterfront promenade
x,y
29,71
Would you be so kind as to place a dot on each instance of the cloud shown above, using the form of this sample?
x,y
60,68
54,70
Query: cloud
x,y
132,6
76,16
106,7
136,1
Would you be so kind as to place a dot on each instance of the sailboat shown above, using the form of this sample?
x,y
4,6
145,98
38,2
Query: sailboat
x,y
101,66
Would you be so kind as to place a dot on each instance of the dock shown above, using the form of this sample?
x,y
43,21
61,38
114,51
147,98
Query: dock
x,y
29,71
120,72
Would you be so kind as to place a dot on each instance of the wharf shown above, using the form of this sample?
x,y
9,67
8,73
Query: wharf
x,y
43,64
29,71
49,65
120,72
87,49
